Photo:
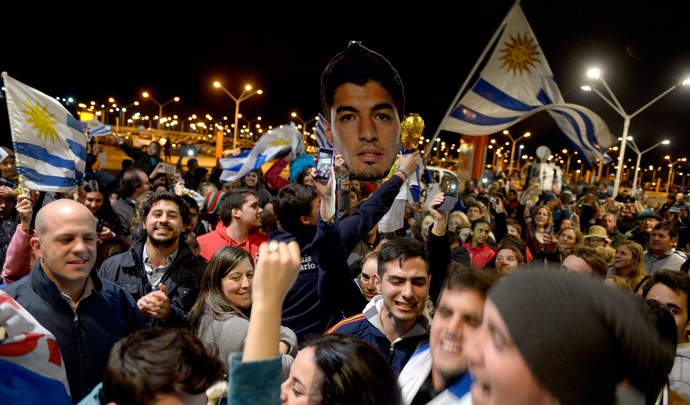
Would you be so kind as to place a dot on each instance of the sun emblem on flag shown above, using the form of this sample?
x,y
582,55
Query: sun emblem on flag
x,y
41,121
520,53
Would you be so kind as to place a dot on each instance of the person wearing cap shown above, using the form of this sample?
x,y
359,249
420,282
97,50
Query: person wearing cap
x,y
661,253
641,233
597,236
549,337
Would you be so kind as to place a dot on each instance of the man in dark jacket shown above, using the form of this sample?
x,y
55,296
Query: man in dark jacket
x,y
159,270
87,315
396,322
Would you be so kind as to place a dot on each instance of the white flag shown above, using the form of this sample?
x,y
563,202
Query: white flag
x,y
271,144
49,143
517,83
94,127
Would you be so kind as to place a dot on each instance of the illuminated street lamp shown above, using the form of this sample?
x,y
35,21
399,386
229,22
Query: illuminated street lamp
x,y
246,93
639,157
613,102
670,169
512,150
121,109
160,106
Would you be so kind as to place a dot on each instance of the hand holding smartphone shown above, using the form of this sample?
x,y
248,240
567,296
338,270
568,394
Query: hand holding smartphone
x,y
450,198
324,161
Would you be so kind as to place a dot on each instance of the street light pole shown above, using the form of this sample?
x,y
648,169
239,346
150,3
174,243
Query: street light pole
x,y
670,170
634,147
246,93
596,74
512,150
160,106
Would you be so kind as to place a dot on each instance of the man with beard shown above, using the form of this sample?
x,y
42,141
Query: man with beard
x,y
363,100
159,270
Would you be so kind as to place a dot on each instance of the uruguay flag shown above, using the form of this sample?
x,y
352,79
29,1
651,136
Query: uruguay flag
x,y
517,83
270,145
320,133
49,143
94,127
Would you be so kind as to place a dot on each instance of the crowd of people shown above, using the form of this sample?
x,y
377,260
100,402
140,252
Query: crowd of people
x,y
149,286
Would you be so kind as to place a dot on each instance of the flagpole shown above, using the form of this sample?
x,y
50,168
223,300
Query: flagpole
x,y
482,57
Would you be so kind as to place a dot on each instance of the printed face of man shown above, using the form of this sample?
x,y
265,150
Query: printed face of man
x,y
365,129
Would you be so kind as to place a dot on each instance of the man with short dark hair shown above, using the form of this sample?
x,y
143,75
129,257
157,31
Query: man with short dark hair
x,y
363,100
661,253
395,322
438,370
671,288
160,270
477,247
240,225
158,366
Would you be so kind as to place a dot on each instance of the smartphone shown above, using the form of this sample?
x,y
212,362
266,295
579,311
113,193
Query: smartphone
x,y
450,194
324,161
169,169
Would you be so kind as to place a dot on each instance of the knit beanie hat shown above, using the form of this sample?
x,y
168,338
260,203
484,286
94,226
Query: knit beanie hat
x,y
579,337
212,202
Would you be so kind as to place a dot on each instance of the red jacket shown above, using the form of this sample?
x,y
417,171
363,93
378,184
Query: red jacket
x,y
480,255
216,239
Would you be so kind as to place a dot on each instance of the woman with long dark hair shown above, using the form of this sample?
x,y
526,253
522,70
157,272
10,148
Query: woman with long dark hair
x,y
97,201
220,316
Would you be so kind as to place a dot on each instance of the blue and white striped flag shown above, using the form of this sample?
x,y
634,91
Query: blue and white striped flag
x,y
320,133
517,83
49,143
94,127
271,144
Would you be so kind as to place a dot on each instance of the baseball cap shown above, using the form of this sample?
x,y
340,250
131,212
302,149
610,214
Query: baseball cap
x,y
649,214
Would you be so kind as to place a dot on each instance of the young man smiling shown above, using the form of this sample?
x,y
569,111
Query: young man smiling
x,y
437,372
395,322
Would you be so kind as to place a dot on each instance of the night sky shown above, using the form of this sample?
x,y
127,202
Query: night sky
x,y
120,52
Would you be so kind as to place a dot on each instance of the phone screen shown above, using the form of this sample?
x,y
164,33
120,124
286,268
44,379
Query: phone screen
x,y
323,164
452,188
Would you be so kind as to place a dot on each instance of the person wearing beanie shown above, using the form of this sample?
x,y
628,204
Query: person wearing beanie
x,y
550,337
